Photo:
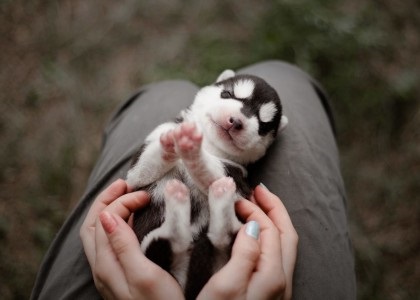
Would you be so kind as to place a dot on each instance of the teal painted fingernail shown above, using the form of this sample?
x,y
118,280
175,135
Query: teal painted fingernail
x,y
253,229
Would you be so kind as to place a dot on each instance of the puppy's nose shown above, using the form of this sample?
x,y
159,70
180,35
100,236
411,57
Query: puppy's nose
x,y
236,123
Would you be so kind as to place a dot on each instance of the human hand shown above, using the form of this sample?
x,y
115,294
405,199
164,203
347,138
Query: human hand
x,y
120,269
261,266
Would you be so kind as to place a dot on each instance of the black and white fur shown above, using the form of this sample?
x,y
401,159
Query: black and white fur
x,y
190,224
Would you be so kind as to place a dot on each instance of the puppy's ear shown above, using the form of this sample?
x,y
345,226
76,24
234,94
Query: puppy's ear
x,y
283,123
226,74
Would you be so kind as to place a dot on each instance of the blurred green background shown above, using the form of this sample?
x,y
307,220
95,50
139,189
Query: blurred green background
x,y
65,65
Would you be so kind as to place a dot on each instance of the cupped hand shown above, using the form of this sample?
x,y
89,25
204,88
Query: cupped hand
x,y
261,266
262,262
120,269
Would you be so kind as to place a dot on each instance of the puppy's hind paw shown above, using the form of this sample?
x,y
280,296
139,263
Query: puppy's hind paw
x,y
176,191
222,189
177,215
176,226
223,220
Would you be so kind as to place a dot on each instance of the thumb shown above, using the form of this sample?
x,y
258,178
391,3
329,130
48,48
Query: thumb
x,y
237,273
246,249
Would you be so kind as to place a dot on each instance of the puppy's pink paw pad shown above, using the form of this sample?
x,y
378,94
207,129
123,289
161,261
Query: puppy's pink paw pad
x,y
223,186
175,189
188,137
168,146
167,141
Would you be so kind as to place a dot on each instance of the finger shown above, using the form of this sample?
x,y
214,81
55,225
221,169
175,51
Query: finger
x,y
112,192
130,189
115,281
123,207
270,261
232,280
126,247
246,250
115,190
270,237
87,230
248,211
127,204
274,208
277,212
252,198
130,221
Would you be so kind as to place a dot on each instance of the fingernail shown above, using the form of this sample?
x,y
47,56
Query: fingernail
x,y
108,222
253,229
130,188
264,186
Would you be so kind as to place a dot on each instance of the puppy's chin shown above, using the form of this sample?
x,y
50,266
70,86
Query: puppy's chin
x,y
225,147
225,140
218,142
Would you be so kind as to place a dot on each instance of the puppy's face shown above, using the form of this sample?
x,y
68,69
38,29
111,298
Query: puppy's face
x,y
239,115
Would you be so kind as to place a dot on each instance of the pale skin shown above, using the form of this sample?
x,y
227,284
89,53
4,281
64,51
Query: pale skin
x,y
259,268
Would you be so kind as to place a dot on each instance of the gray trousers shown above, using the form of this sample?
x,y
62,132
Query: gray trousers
x,y
302,168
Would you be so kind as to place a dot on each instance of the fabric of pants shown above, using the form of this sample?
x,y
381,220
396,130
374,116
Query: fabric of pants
x,y
301,167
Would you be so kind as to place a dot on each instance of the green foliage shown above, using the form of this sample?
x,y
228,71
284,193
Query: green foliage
x,y
343,50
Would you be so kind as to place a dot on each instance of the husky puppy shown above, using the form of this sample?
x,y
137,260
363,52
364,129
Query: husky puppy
x,y
194,170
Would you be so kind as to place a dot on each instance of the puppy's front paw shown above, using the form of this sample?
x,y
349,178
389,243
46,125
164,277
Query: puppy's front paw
x,y
168,146
188,140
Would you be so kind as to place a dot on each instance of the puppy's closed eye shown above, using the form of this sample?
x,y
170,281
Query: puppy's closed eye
x,y
226,95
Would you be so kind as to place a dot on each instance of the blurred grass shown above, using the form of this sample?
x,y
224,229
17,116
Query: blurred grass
x,y
66,64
